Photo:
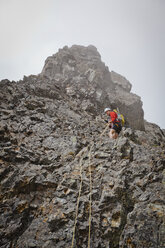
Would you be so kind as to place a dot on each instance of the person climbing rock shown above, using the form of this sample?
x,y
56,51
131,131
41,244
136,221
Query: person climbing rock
x,y
114,123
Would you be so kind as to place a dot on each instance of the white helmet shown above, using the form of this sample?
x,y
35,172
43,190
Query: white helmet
x,y
107,109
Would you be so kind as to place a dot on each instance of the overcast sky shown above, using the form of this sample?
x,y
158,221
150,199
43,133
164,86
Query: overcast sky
x,y
129,35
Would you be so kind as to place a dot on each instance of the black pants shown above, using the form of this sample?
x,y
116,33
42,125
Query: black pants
x,y
117,127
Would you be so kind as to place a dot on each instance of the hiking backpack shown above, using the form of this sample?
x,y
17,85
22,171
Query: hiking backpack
x,y
120,117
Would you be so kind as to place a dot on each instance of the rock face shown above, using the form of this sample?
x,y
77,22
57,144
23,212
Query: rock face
x,y
80,71
52,142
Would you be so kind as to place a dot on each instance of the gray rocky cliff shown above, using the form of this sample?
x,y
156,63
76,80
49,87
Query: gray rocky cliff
x,y
48,123
84,76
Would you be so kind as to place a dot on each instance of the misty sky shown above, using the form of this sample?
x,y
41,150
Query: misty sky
x,y
129,35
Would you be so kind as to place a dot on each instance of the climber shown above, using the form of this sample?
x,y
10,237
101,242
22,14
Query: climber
x,y
114,123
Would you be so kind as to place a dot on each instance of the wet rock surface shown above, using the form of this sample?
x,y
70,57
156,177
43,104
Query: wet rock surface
x,y
48,123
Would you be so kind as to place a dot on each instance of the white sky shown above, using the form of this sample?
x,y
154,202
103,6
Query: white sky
x,y
129,35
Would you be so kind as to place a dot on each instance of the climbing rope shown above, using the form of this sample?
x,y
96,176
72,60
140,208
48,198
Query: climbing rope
x,y
78,201
90,186
105,129
90,196
90,193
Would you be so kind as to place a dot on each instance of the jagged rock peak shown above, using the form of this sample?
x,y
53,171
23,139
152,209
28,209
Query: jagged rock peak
x,y
71,61
81,72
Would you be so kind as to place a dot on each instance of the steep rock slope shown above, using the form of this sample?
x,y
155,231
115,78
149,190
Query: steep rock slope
x,y
84,76
52,139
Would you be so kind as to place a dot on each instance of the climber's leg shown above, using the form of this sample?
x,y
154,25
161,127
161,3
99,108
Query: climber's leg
x,y
113,134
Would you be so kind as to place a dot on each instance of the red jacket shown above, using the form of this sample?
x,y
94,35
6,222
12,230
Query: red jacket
x,y
113,116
